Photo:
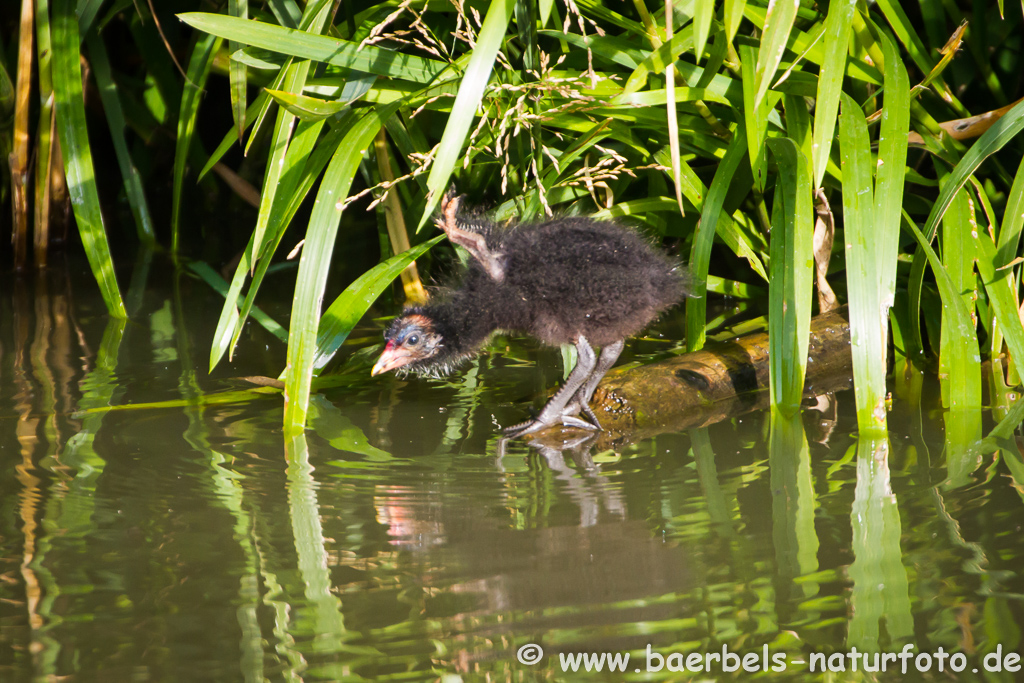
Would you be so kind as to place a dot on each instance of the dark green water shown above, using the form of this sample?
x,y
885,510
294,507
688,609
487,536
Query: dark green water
x,y
189,541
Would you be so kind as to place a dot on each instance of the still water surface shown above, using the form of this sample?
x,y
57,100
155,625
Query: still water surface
x,y
180,537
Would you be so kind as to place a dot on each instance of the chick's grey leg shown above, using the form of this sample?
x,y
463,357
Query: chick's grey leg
x,y
472,242
555,410
581,401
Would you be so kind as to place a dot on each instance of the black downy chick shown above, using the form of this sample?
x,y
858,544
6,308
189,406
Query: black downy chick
x,y
568,281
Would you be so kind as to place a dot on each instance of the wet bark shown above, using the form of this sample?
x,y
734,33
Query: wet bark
x,y
718,382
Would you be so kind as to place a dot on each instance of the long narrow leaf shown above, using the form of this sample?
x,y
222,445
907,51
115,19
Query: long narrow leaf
x,y
890,173
703,13
295,184
478,71
115,119
838,25
231,322
237,71
959,224
777,25
315,263
319,48
198,70
294,81
700,252
965,375
670,110
315,109
733,13
755,114
866,332
1001,295
74,140
792,267
989,143
993,140
1013,218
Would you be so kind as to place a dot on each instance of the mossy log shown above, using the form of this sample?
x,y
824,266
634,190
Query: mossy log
x,y
722,380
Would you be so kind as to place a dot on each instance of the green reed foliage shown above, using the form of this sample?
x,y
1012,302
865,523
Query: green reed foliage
x,y
872,199
677,122
792,262
591,135
74,140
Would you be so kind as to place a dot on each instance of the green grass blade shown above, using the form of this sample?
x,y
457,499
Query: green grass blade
x,y
1007,245
890,174
965,371
867,328
237,71
319,48
989,143
700,251
213,278
198,70
266,104
74,140
792,267
341,317
703,13
838,26
733,13
313,19
613,49
808,45
231,322
670,109
659,60
1001,294
478,71
286,12
657,98
307,108
295,185
958,253
993,140
755,115
115,119
596,8
87,11
1013,218
315,264
294,80
778,23
906,33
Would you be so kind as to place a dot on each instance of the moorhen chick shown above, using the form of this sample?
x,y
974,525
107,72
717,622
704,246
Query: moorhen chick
x,y
567,281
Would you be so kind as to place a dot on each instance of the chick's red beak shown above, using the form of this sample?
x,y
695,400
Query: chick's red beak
x,y
394,356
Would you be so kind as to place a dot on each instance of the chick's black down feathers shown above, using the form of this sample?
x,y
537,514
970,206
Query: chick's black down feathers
x,y
568,281
563,279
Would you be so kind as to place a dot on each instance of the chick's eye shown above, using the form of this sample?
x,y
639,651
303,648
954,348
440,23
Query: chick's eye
x,y
413,340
